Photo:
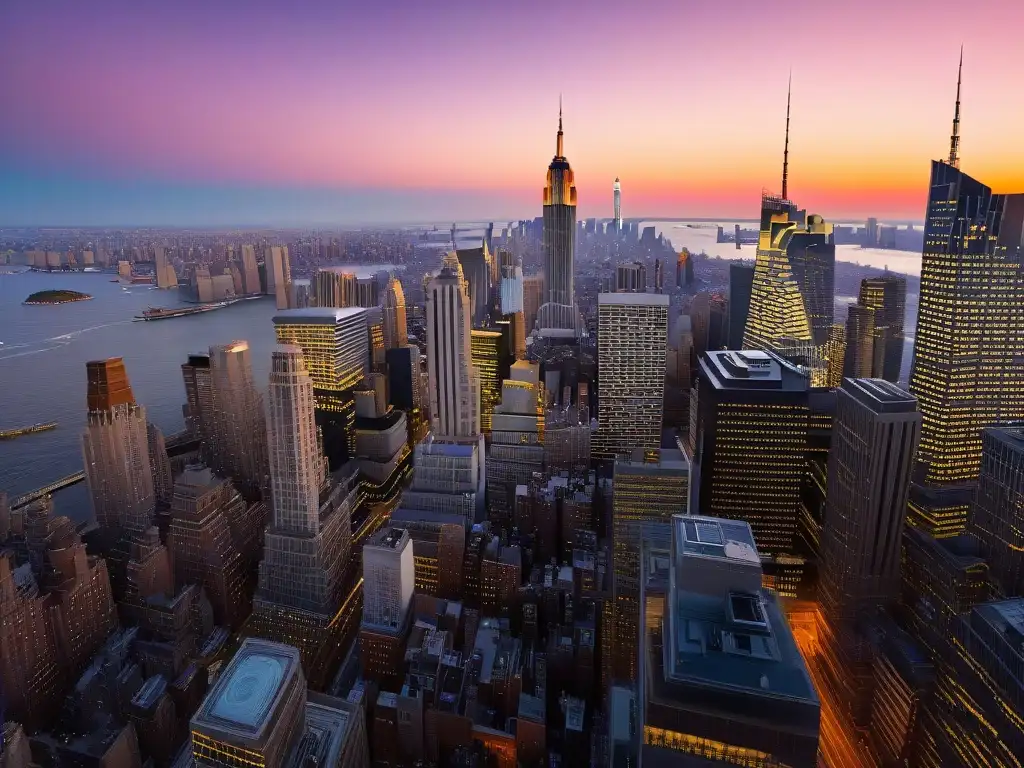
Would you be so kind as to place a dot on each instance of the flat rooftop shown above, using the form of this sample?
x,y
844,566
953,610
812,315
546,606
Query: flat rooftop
x,y
316,315
244,699
641,461
715,537
633,299
752,369
880,395
1011,435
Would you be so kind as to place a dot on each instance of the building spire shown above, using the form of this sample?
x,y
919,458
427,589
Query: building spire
x,y
954,139
785,152
558,149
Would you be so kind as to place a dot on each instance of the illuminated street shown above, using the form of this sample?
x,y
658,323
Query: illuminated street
x,y
839,746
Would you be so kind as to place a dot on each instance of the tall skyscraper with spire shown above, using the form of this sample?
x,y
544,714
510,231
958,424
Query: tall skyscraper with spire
x,y
454,382
558,306
791,302
969,343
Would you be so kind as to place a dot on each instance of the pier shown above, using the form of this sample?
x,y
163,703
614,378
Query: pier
x,y
56,485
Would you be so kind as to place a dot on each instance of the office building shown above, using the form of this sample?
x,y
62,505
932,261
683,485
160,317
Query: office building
x,y
383,453
631,278
491,357
301,577
971,377
340,287
389,575
454,381
874,440
859,351
403,364
396,333
533,293
659,276
115,450
724,680
887,296
510,289
684,269
741,281
448,481
237,433
259,712
981,721
558,304
996,519
201,544
31,671
198,407
438,553
516,451
279,274
749,432
617,205
632,336
165,275
335,347
476,270
250,271
649,487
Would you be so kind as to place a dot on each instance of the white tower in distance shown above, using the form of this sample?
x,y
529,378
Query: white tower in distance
x,y
617,198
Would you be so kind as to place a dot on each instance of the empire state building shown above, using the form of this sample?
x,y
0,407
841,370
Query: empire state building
x,y
558,315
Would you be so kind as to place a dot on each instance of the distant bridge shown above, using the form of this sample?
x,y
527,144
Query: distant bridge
x,y
56,485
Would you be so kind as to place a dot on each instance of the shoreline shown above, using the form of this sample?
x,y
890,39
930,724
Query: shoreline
x,y
27,303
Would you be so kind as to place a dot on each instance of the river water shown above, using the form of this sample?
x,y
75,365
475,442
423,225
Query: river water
x,y
702,237
45,348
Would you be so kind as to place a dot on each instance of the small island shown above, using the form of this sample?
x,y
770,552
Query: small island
x,y
56,297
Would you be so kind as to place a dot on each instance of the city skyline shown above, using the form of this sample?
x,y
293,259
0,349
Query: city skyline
x,y
119,124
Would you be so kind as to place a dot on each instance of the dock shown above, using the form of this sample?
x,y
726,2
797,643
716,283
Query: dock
x,y
10,434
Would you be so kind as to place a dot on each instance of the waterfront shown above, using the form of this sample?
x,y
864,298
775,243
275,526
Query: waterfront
x,y
43,356
702,237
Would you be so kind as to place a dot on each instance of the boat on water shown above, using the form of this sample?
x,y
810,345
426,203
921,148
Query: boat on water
x,y
10,434
165,313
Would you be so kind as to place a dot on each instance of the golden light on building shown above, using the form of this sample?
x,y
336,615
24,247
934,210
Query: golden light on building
x,y
487,351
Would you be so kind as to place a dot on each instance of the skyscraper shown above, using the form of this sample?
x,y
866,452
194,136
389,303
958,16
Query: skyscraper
x,y
491,360
279,274
533,292
511,286
165,276
115,450
632,337
874,439
389,574
198,407
617,204
793,290
454,382
237,433
741,280
966,372
631,278
558,304
476,269
396,325
859,356
250,270
301,577
334,343
887,296
201,545
996,519
649,487
749,430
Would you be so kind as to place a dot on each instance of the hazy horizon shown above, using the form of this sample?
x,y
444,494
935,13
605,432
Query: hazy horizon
x,y
207,114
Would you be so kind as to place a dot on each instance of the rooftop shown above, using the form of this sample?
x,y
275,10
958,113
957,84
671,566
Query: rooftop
x,y
247,692
664,460
880,395
389,538
716,538
316,315
752,369
633,299
1011,434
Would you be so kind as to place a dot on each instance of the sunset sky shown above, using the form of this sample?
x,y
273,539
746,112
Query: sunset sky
x,y
335,112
